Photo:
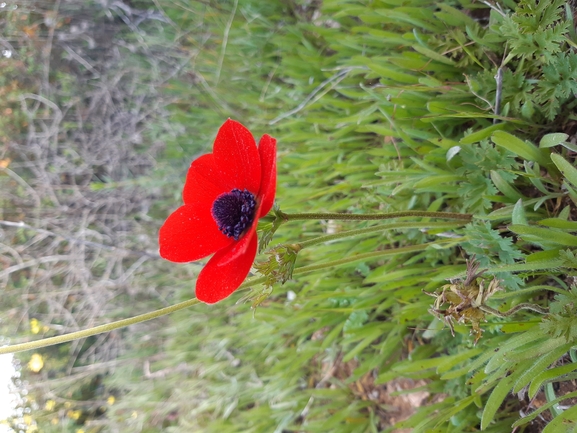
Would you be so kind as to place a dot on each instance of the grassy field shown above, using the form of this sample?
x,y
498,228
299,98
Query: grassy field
x,y
414,324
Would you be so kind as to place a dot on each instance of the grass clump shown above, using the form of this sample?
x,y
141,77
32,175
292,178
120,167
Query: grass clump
x,y
375,110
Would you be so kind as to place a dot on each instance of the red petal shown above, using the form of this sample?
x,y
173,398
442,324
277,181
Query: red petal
x,y
236,156
190,233
203,182
226,270
267,151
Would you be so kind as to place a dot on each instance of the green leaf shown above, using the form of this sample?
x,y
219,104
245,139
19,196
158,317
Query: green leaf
x,y
505,187
454,17
520,148
547,255
518,216
474,365
569,146
549,236
331,336
500,392
416,16
449,362
542,363
550,395
376,333
534,172
559,223
477,136
565,422
513,328
536,349
512,343
551,140
433,55
549,375
565,168
433,180
443,416
393,73
543,408
378,129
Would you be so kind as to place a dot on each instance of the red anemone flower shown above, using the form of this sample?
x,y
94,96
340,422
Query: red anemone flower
x,y
224,195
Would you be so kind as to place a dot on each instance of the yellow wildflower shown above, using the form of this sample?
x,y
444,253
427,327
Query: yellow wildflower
x,y
34,326
73,414
36,363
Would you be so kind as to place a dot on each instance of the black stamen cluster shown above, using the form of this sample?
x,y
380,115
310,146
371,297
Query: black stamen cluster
x,y
234,212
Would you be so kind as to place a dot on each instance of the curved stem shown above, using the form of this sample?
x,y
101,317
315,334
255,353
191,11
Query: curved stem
x,y
182,305
373,255
373,217
518,267
377,228
97,329
524,306
526,290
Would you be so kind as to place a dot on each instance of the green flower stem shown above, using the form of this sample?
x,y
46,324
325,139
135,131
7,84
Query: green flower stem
x,y
518,267
182,305
374,216
526,290
374,254
377,228
524,306
97,329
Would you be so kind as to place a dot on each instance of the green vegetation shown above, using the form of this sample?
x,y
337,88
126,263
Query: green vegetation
x,y
378,106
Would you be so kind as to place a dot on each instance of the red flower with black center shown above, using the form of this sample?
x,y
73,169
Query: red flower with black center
x,y
224,195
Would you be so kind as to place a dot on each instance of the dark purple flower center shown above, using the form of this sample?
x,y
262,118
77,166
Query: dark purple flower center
x,y
234,212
